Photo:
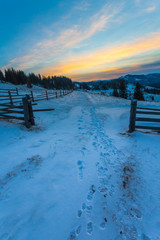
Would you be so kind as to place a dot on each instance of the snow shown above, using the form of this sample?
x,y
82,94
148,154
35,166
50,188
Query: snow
x,y
78,174
130,90
23,87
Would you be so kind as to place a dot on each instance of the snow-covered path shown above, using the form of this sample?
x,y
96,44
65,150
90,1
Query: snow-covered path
x,y
74,176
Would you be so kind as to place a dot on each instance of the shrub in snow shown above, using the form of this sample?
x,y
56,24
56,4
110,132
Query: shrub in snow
x,y
138,94
123,89
115,92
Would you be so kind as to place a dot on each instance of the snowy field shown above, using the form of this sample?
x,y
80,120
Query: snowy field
x,y
78,174
130,90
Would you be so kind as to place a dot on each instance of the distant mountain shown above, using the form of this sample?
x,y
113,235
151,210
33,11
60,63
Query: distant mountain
x,y
152,80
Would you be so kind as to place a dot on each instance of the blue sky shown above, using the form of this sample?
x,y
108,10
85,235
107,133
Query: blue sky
x,y
85,40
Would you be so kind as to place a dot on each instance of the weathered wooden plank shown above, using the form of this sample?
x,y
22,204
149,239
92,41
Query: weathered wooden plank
x,y
7,89
4,91
149,128
2,96
5,99
10,107
148,112
3,116
154,109
18,96
147,119
5,104
14,98
5,94
10,111
42,110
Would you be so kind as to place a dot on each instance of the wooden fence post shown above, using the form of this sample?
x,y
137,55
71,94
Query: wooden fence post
x,y
32,96
10,97
56,94
46,95
31,116
17,91
26,112
132,116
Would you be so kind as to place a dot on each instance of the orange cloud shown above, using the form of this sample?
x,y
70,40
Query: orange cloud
x,y
108,58
113,73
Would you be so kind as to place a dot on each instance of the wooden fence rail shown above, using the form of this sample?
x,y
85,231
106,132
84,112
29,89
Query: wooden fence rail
x,y
12,96
24,111
143,111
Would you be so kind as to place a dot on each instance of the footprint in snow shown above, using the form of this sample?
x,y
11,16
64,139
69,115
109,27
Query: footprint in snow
x,y
83,206
81,210
102,171
114,218
80,168
95,145
103,224
91,193
79,213
35,145
144,237
72,235
78,230
103,190
89,211
135,213
89,228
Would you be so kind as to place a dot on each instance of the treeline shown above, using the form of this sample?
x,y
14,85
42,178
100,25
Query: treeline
x,y
17,77
152,90
119,88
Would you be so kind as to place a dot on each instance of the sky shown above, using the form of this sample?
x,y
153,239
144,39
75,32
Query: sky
x,y
85,40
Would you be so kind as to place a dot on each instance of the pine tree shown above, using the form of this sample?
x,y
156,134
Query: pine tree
x,y
123,89
138,94
115,92
2,76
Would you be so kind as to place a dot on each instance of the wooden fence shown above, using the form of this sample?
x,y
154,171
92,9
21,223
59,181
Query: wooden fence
x,y
15,96
19,106
150,112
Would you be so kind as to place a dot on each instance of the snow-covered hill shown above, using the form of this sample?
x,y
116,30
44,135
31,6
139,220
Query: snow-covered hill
x,y
8,85
152,80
